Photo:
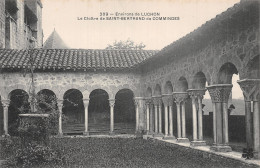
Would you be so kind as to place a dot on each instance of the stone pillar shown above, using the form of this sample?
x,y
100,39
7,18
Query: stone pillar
x,y
219,94
86,103
166,121
60,105
183,120
152,128
6,104
167,101
112,104
179,98
136,115
250,88
157,115
214,124
200,118
197,96
171,122
160,117
147,104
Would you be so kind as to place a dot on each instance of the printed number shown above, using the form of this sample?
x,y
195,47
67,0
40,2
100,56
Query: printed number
x,y
103,14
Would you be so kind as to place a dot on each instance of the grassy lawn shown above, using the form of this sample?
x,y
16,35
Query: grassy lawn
x,y
131,152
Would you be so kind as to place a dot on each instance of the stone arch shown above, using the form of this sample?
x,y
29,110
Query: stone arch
x,y
168,88
18,104
148,92
182,84
231,59
73,109
226,72
87,90
47,100
122,87
157,90
57,92
199,81
99,111
124,112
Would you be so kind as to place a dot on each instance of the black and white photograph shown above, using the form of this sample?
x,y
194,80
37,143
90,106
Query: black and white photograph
x,y
129,83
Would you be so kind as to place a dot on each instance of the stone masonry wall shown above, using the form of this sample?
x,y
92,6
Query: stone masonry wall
x,y
59,83
238,50
2,24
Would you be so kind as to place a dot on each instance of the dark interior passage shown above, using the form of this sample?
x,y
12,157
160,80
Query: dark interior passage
x,y
125,112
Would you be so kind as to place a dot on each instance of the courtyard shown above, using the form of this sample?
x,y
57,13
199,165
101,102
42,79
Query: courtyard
x,y
131,152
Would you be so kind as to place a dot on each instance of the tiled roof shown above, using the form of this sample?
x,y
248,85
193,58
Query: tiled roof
x,y
54,41
73,59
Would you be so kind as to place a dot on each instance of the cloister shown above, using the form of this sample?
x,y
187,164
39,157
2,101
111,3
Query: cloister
x,y
148,92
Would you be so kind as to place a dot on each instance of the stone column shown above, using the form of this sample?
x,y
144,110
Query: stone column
x,y
147,104
6,104
171,136
200,118
136,115
160,118
196,96
166,121
157,105
152,118
183,119
219,94
86,103
250,88
166,99
180,97
178,104
112,104
60,105
214,124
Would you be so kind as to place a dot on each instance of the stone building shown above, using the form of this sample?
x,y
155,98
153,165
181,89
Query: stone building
x,y
162,90
21,24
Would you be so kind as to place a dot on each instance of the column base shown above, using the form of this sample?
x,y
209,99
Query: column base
x,y
221,148
183,140
256,155
59,135
139,134
158,135
169,137
147,136
5,135
86,133
111,133
149,133
197,143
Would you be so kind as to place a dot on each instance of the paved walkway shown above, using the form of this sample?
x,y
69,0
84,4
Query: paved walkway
x,y
232,155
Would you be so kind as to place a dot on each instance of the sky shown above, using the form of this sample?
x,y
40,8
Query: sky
x,y
64,16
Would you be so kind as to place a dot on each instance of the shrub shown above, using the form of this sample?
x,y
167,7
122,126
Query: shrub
x,y
33,155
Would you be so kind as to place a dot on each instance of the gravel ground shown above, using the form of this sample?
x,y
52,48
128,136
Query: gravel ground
x,y
132,152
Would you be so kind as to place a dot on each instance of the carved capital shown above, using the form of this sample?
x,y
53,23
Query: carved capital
x,y
86,102
60,104
111,102
157,100
6,103
167,99
148,101
250,88
220,92
196,93
180,97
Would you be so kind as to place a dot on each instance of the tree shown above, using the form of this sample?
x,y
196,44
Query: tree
x,y
125,45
